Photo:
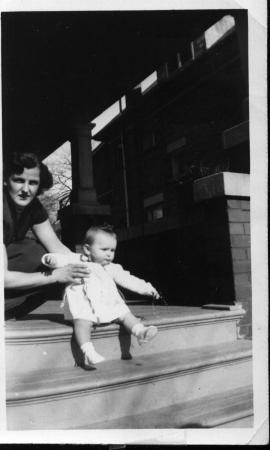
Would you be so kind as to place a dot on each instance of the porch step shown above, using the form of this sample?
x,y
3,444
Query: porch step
x,y
65,398
229,409
44,340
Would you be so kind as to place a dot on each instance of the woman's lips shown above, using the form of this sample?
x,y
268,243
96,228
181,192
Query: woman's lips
x,y
24,197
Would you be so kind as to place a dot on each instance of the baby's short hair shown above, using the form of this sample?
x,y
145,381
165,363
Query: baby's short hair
x,y
92,231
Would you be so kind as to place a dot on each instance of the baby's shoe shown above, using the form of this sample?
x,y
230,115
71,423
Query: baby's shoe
x,y
147,334
89,363
91,357
144,334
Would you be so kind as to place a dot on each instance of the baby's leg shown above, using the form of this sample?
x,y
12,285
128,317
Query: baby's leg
x,y
136,327
82,331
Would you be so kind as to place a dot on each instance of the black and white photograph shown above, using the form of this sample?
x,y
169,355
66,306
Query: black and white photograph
x,y
134,186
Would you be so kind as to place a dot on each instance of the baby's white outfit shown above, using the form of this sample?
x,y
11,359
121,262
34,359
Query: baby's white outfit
x,y
97,299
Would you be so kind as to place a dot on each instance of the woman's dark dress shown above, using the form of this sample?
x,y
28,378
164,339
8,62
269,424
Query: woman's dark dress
x,y
24,253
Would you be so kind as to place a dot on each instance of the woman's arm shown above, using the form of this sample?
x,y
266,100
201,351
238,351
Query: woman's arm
x,y
46,235
21,280
72,273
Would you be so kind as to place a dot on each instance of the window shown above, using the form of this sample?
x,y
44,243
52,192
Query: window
x,y
154,213
154,207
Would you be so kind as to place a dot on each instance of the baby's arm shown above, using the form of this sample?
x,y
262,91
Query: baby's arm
x,y
66,268
56,260
153,292
124,279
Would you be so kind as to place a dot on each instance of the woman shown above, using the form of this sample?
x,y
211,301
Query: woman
x,y
26,280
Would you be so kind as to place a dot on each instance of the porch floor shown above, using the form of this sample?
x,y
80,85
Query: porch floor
x,y
50,315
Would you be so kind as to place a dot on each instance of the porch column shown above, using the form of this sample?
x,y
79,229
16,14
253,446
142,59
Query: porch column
x,y
241,25
84,210
83,190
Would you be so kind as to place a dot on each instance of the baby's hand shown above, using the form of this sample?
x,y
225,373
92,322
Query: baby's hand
x,y
50,260
154,293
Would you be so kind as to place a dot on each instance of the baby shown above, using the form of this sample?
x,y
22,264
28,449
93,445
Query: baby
x,y
97,299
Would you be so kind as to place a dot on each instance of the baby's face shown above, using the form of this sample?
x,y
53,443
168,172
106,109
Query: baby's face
x,y
102,250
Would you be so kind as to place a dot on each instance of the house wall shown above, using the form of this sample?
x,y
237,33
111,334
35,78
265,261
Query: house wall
x,y
175,137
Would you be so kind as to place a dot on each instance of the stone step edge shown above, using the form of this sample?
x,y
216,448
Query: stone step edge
x,y
113,374
64,331
220,408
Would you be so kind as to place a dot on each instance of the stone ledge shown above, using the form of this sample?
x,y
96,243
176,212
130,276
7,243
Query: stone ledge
x,y
236,307
209,411
40,327
113,374
221,184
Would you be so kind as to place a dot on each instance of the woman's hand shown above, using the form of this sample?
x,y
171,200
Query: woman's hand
x,y
72,273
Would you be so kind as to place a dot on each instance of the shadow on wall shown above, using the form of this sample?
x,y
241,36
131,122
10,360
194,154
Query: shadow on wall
x,y
174,262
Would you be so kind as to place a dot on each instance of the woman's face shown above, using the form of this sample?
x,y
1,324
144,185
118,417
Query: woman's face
x,y
23,187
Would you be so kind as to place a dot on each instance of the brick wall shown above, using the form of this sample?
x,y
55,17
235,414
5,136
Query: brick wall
x,y
225,198
239,229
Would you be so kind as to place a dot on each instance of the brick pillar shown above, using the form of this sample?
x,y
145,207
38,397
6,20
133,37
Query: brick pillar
x,y
239,228
227,236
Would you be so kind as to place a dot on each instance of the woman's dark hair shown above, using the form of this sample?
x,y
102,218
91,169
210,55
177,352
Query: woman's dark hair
x,y
17,162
